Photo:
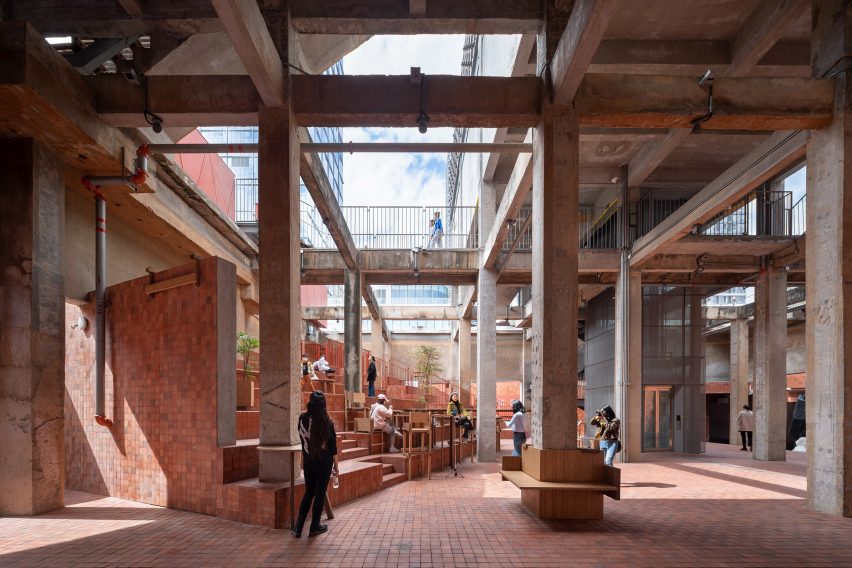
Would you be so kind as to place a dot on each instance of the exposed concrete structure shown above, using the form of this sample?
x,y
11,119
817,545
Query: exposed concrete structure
x,y
352,330
465,374
486,338
739,374
829,273
770,377
32,346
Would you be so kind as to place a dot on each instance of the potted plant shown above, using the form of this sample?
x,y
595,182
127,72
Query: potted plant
x,y
428,365
246,345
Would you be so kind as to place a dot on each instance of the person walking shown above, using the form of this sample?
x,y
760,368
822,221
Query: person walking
x,y
745,426
371,377
319,461
609,438
518,427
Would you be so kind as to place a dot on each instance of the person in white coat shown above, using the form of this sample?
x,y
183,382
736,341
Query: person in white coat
x,y
745,426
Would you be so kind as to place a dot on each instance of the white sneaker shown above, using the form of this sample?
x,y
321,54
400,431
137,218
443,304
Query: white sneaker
x,y
393,450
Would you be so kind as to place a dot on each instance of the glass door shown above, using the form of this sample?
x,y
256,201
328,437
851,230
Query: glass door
x,y
656,418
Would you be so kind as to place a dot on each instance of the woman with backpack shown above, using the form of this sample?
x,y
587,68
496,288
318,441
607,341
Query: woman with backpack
x,y
319,461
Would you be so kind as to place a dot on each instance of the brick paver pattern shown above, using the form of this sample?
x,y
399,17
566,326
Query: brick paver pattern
x,y
718,509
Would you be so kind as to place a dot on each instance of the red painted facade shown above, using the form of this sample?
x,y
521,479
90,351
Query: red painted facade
x,y
211,173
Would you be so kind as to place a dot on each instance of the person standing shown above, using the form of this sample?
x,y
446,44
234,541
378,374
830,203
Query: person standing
x,y
319,461
437,231
745,426
371,377
609,437
518,427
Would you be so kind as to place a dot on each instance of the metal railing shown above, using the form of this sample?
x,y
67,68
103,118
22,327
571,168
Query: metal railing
x,y
761,212
598,228
245,196
799,215
406,227
654,206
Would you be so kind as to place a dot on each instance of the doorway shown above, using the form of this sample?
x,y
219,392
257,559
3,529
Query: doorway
x,y
656,418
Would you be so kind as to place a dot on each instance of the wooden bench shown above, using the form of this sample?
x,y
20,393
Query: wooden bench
x,y
562,484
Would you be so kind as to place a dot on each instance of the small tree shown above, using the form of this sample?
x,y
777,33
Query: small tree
x,y
428,365
245,345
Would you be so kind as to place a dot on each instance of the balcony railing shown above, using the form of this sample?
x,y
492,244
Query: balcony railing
x,y
799,216
598,229
761,212
406,227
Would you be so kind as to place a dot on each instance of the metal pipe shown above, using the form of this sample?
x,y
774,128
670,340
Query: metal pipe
x,y
100,318
350,147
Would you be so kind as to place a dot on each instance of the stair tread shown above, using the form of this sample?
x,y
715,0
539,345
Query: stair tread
x,y
387,468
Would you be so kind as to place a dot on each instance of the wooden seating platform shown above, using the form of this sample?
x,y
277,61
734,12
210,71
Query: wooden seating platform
x,y
562,484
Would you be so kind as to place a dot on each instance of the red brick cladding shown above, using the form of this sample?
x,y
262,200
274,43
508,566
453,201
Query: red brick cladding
x,y
160,393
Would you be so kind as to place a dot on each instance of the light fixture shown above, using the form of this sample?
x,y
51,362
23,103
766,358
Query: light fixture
x,y
423,122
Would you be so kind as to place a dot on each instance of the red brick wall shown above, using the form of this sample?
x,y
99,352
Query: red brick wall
x,y
161,389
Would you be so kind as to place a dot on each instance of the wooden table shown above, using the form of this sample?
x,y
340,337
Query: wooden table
x,y
292,449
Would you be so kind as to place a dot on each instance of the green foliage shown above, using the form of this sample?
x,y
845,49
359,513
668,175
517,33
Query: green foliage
x,y
428,365
245,345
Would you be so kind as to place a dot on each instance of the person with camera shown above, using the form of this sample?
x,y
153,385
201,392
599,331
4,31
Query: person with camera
x,y
462,417
609,436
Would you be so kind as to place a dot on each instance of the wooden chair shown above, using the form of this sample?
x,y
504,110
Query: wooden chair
x,y
418,427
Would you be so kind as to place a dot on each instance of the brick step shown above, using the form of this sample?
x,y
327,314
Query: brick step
x,y
345,444
387,468
391,479
352,453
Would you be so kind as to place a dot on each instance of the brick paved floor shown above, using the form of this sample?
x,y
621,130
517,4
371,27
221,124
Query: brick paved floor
x,y
719,509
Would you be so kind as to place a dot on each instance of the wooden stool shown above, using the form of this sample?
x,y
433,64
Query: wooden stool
x,y
419,424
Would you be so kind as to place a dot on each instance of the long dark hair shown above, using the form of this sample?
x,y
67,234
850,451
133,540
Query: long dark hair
x,y
320,424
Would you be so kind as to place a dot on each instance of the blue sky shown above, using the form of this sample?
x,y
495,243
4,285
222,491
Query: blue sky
x,y
399,179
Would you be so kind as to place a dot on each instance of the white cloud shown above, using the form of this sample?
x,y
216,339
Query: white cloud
x,y
399,179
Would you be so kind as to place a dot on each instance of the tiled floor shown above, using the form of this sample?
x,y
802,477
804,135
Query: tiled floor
x,y
715,510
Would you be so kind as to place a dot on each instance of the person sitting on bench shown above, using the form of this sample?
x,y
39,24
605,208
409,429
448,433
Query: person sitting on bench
x,y
322,366
381,413
462,416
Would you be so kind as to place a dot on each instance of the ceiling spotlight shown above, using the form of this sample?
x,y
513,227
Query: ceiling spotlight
x,y
422,122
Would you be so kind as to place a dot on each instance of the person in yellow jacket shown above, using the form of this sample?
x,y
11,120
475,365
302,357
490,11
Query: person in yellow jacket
x,y
456,408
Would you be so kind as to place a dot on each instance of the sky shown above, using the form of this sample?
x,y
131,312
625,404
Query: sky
x,y
399,179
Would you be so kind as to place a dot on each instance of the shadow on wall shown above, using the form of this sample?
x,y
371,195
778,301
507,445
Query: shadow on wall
x,y
162,391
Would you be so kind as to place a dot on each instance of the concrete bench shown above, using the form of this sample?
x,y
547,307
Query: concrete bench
x,y
562,484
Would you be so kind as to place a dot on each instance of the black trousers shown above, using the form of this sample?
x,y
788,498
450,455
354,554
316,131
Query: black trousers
x,y
743,436
317,474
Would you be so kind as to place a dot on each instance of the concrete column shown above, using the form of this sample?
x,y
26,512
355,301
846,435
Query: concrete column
x,y
554,277
628,361
280,279
377,342
486,337
739,374
770,365
465,373
829,274
32,340
352,330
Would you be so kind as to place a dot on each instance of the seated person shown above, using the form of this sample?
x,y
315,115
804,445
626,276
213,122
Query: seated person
x,y
308,374
322,366
462,416
381,413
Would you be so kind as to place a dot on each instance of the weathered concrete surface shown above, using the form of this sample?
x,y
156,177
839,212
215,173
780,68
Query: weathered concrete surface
x,y
352,330
829,279
770,358
486,339
280,310
628,362
554,278
465,374
226,370
739,374
32,341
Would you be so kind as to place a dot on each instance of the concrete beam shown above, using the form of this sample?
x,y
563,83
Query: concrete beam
x,y
519,186
381,17
673,102
777,153
316,180
764,28
795,253
651,155
319,313
247,29
693,57
705,263
107,18
577,46
466,306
